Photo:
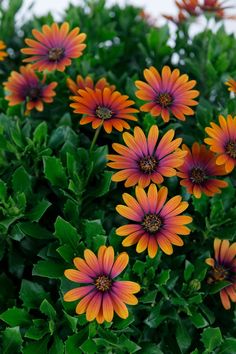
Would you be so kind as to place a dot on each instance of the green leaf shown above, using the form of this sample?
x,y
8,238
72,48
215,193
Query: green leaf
x,y
228,346
164,277
211,338
47,309
149,297
57,346
130,346
182,336
11,341
48,269
15,317
3,190
21,181
89,347
66,233
54,171
93,227
40,133
34,230
38,330
215,288
32,294
73,342
189,268
139,267
38,210
38,347
198,320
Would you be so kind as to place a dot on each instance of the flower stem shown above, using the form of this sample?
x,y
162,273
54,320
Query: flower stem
x,y
95,137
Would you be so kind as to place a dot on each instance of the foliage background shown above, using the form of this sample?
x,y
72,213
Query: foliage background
x,y
56,198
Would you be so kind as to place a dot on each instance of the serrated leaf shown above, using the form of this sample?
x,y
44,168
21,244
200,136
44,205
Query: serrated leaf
x,y
15,317
21,181
66,233
54,171
34,230
38,210
11,340
47,309
31,294
48,269
211,338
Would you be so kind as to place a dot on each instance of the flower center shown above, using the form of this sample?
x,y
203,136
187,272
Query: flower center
x,y
230,149
34,93
219,273
151,223
164,99
197,175
148,164
56,54
103,112
103,283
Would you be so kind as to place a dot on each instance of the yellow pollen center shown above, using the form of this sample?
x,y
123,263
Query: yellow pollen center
x,y
230,149
164,99
148,164
103,112
197,175
56,54
103,283
151,223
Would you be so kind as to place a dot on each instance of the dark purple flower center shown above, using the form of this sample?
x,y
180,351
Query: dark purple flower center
x,y
218,273
230,149
34,93
103,283
103,112
148,164
197,175
55,54
164,99
151,223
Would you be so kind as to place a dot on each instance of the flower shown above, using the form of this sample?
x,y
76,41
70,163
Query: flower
x,y
100,294
224,268
214,5
180,18
143,160
25,86
190,6
156,222
232,85
54,47
104,107
82,83
199,170
223,141
3,54
168,93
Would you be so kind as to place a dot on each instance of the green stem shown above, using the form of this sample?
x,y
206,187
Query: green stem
x,y
95,137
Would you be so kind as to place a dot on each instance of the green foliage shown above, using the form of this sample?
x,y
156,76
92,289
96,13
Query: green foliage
x,y
57,198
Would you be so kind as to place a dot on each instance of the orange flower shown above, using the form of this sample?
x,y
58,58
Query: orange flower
x,y
223,141
82,83
232,85
168,93
54,47
190,6
26,87
224,268
3,54
100,294
199,170
180,18
155,222
104,107
143,160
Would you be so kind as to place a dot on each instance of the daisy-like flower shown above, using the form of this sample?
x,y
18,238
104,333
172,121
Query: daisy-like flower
x,y
100,294
54,47
199,171
155,221
82,83
25,86
232,85
168,93
144,161
214,5
104,107
223,141
224,268
190,6
3,54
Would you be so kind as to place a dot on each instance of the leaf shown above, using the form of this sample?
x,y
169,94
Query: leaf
x,y
38,330
164,277
66,233
182,336
198,320
211,338
32,294
47,309
15,317
93,227
11,340
215,288
73,342
48,269
38,210
38,347
228,346
54,171
40,133
21,181
103,186
89,347
189,268
57,346
34,230
3,190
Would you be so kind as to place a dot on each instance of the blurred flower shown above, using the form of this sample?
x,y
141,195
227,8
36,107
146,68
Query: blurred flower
x,y
151,21
143,160
223,141
3,54
176,20
101,295
82,83
199,170
232,85
190,6
214,5
104,107
54,47
26,87
167,93
156,223
224,268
